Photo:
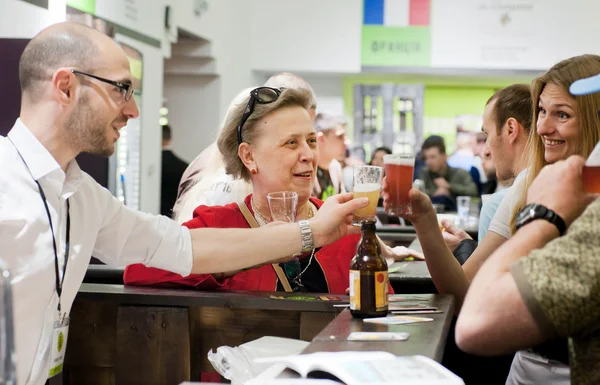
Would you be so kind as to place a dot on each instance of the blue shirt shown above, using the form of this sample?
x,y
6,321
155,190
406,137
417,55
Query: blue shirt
x,y
487,213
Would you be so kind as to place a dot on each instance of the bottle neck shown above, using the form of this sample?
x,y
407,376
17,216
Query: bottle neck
x,y
368,228
369,236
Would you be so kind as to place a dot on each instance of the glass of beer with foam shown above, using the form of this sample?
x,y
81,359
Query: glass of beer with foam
x,y
399,169
591,172
367,183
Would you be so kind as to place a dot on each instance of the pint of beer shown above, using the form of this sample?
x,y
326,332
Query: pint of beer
x,y
399,169
371,191
367,183
591,172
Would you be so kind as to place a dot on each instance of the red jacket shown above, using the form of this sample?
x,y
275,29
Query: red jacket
x,y
334,259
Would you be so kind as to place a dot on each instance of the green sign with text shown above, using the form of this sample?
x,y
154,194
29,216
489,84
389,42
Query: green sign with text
x,y
384,46
87,6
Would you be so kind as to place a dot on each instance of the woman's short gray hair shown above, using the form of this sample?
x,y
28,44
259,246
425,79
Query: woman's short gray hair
x,y
228,142
325,121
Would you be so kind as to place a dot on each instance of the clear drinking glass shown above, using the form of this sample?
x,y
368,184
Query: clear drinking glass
x,y
283,205
367,183
463,206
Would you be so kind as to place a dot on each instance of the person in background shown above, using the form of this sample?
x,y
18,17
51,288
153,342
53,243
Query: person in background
x,y
331,135
489,168
377,157
463,157
76,95
419,164
468,156
506,125
279,130
172,169
290,80
479,144
442,182
205,180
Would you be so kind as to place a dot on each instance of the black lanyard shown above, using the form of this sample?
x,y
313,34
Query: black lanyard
x,y
59,282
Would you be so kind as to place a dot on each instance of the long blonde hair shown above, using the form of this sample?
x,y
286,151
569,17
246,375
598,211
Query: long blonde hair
x,y
562,74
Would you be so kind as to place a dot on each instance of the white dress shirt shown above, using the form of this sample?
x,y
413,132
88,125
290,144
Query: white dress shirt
x,y
100,226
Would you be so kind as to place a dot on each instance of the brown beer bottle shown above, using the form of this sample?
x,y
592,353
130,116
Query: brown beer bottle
x,y
368,277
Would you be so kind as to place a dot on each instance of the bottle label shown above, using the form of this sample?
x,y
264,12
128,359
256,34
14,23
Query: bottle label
x,y
381,290
354,290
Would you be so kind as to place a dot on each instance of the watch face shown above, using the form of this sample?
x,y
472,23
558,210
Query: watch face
x,y
529,212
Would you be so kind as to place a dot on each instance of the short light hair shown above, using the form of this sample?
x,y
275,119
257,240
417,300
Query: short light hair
x,y
325,121
64,45
290,80
514,101
228,141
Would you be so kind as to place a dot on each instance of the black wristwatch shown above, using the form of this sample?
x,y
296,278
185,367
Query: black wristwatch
x,y
535,211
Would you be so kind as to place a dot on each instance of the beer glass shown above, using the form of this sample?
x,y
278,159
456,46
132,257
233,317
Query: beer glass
x,y
367,183
399,169
283,205
591,172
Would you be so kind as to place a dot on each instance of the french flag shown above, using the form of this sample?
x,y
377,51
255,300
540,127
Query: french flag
x,y
396,13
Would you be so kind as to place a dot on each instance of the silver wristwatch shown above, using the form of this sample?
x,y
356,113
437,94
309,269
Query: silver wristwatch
x,y
307,236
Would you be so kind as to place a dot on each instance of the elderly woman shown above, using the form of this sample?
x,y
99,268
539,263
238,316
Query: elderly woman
x,y
268,140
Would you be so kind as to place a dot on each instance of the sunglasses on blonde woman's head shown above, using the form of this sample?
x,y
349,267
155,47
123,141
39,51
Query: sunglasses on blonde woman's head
x,y
261,95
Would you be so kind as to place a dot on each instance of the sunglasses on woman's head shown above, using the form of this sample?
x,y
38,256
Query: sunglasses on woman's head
x,y
262,95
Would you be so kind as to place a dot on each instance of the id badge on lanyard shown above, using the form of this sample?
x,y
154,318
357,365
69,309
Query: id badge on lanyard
x,y
59,345
60,331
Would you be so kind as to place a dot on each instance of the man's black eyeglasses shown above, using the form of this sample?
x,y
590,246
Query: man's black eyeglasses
x,y
126,88
262,95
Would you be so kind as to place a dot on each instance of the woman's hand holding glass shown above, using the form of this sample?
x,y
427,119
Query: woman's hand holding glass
x,y
334,218
419,201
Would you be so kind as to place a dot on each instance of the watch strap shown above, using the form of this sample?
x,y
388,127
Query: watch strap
x,y
307,236
537,211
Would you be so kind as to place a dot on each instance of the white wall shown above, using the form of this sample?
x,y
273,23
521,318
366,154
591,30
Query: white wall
x,y
197,104
192,116
322,36
226,24
525,35
249,40
328,89
329,92
151,134
21,20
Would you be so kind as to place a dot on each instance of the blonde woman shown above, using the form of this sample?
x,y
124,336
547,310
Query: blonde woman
x,y
562,125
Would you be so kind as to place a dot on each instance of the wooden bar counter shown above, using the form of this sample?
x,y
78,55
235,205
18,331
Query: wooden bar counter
x,y
139,335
